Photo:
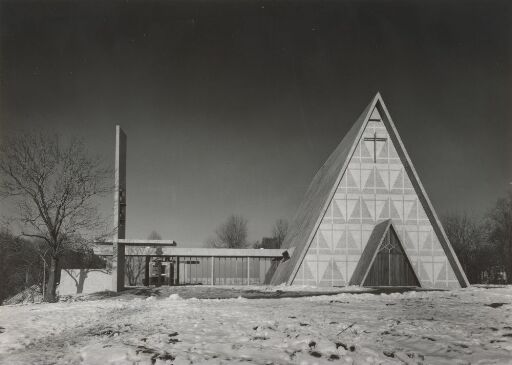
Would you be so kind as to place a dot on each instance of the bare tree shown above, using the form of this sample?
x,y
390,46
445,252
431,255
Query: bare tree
x,y
135,264
20,263
468,239
279,231
154,235
55,186
500,232
230,234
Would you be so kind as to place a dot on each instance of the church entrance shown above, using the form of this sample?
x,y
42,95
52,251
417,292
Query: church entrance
x,y
391,266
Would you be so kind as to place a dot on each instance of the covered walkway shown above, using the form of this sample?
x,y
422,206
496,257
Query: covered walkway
x,y
169,265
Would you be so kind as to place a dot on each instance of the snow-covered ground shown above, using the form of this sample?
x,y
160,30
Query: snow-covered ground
x,y
456,327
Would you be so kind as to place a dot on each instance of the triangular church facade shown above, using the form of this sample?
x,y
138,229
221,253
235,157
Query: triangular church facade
x,y
368,190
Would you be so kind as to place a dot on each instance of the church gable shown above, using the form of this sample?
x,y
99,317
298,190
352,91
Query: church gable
x,y
375,186
384,262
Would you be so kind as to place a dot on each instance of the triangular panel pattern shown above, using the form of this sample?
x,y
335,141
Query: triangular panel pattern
x,y
375,115
330,232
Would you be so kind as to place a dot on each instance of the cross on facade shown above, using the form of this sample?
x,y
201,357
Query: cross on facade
x,y
375,139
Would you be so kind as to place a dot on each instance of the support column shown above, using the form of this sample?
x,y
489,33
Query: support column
x,y
118,259
171,272
158,264
213,277
177,270
248,270
146,271
118,262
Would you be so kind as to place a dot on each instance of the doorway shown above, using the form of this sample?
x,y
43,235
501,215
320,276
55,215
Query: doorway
x,y
391,267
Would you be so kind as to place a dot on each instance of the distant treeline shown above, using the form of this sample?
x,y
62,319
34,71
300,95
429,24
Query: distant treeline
x,y
25,262
484,246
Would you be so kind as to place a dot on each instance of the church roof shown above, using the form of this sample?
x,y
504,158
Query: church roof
x,y
324,185
316,200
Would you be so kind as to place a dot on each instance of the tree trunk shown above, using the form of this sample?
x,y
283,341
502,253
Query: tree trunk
x,y
81,280
51,286
508,263
27,270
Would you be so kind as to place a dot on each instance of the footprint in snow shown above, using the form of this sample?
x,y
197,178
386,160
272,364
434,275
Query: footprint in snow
x,y
172,339
155,354
109,332
255,338
496,305
388,353
315,354
350,348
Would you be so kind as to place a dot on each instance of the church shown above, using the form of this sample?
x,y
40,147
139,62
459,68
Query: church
x,y
365,220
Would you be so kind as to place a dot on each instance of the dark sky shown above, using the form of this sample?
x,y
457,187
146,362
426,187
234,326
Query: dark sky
x,y
232,107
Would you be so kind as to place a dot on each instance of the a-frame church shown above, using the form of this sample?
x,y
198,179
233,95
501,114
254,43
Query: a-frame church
x,y
366,218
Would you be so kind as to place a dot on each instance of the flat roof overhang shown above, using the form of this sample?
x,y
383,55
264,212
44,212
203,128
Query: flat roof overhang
x,y
139,242
148,249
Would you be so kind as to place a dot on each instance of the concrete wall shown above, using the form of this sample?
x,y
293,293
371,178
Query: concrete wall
x,y
95,281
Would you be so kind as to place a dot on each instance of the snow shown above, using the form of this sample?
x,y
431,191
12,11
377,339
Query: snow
x,y
463,326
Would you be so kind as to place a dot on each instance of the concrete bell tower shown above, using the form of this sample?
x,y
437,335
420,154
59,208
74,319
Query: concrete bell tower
x,y
118,252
